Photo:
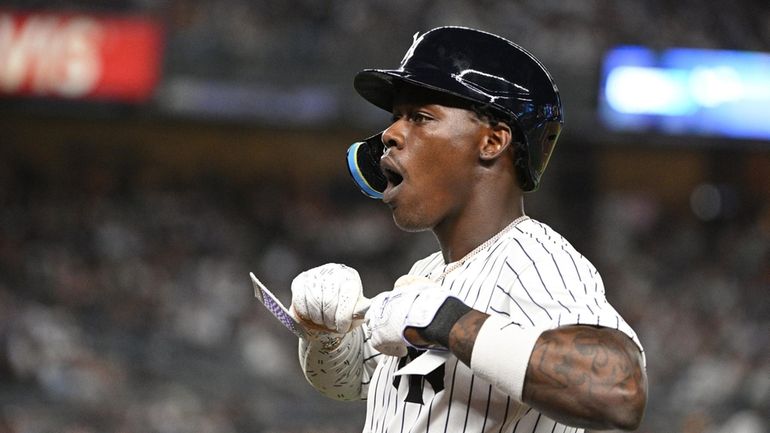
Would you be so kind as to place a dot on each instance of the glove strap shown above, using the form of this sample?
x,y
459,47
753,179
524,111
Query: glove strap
x,y
434,313
447,315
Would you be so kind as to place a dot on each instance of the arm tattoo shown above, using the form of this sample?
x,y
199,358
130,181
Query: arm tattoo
x,y
584,370
464,333
609,364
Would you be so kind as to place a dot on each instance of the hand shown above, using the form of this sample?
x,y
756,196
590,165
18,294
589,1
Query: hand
x,y
324,298
412,303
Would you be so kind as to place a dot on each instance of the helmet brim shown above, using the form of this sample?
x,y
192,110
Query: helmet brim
x,y
379,86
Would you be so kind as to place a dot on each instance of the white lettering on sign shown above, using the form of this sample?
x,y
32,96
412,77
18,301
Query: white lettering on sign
x,y
49,55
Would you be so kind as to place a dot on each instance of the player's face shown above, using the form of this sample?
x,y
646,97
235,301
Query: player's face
x,y
431,153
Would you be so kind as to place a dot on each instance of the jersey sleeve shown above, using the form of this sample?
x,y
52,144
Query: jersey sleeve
x,y
590,306
571,289
337,373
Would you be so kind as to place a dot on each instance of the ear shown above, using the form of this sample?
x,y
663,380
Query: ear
x,y
495,142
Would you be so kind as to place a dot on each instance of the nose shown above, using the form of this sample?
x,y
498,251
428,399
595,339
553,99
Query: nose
x,y
393,136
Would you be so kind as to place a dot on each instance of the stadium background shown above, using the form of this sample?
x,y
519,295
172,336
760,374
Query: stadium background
x,y
127,230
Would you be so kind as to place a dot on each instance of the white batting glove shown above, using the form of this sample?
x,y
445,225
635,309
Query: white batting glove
x,y
326,296
413,302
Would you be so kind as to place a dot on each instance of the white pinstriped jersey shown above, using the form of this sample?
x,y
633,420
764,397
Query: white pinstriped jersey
x,y
531,275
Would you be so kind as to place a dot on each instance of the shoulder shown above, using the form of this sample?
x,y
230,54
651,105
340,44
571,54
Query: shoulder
x,y
426,265
533,242
534,232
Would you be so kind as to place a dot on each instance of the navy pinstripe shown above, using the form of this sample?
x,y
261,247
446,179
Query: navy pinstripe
x,y
533,277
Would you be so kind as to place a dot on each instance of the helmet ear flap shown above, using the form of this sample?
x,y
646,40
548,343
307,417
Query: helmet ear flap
x,y
536,157
521,158
521,162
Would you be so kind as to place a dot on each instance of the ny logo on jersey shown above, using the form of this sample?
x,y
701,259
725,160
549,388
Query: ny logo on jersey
x,y
416,382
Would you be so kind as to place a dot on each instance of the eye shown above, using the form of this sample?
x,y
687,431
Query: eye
x,y
419,117
414,116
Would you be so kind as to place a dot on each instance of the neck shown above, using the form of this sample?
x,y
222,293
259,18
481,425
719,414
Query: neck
x,y
459,236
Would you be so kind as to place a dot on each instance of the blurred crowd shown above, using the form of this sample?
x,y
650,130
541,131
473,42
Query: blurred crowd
x,y
291,62
697,294
127,307
280,41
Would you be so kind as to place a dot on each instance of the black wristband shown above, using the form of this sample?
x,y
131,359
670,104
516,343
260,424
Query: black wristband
x,y
447,315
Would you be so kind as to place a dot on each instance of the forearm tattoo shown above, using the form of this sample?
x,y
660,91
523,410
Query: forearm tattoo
x,y
581,371
464,333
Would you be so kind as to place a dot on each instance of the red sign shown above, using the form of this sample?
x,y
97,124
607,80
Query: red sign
x,y
79,56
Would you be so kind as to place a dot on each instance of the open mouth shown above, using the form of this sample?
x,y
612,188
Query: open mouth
x,y
393,174
393,177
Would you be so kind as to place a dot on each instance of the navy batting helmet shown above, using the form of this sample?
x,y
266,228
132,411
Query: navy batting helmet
x,y
483,69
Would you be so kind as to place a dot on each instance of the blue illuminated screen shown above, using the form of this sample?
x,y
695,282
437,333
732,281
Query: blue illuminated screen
x,y
687,91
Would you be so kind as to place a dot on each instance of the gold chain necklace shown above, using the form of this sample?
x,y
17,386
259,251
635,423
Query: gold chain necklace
x,y
454,265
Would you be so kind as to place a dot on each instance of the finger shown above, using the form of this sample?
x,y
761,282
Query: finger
x,y
350,292
307,324
329,306
361,307
299,295
347,290
315,312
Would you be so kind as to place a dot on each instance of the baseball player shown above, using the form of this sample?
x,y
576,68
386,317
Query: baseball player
x,y
508,323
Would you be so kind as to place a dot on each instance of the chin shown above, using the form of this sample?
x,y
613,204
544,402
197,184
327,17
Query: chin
x,y
410,222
